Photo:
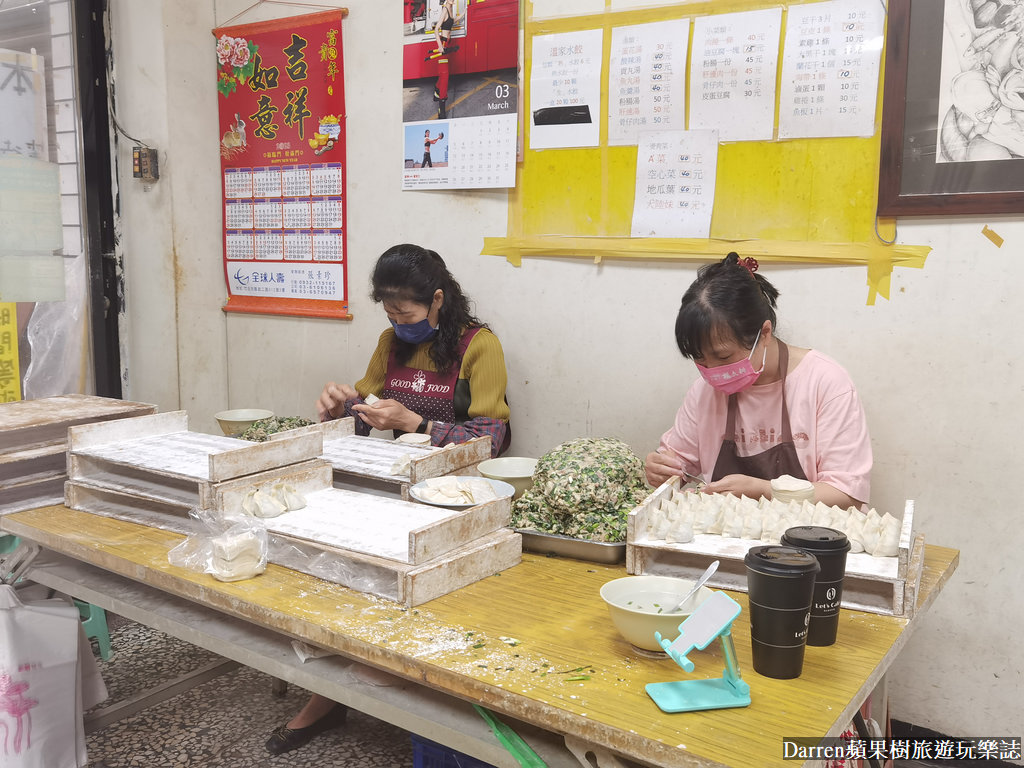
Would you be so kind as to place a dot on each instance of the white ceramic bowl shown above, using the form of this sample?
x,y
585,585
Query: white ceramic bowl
x,y
638,606
516,470
235,422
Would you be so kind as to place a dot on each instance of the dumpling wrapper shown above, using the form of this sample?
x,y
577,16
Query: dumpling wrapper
x,y
888,538
236,556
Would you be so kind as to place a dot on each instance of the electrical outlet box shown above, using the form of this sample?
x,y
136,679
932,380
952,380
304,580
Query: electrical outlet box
x,y
144,164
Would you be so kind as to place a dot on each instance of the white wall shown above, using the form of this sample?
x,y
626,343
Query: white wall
x,y
590,348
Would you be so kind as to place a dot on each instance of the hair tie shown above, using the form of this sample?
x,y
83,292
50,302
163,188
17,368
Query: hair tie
x,y
749,264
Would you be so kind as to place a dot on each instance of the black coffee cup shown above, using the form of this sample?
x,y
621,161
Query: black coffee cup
x,y
780,583
829,546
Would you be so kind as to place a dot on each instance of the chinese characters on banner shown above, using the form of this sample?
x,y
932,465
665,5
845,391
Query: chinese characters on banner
x,y
10,371
460,113
282,148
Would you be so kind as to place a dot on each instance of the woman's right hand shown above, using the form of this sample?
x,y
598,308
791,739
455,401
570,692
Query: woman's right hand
x,y
660,468
332,399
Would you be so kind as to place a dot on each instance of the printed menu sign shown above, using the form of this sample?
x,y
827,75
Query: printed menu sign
x,y
282,147
732,74
647,79
830,69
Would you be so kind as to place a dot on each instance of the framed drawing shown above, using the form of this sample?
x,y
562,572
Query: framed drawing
x,y
953,108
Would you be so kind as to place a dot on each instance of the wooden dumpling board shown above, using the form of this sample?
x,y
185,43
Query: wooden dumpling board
x,y
392,529
410,585
156,457
872,584
358,458
33,444
45,421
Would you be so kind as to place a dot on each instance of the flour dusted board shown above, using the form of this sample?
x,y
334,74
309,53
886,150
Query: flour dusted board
x,y
388,528
33,444
28,423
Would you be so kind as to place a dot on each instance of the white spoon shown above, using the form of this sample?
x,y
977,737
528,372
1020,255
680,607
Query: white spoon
x,y
700,583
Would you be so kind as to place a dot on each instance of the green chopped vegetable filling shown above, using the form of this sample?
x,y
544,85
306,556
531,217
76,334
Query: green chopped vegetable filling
x,y
584,488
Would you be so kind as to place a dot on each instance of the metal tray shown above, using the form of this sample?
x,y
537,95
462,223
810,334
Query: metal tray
x,y
566,546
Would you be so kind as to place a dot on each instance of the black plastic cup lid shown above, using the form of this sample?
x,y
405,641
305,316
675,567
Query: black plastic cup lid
x,y
781,561
815,537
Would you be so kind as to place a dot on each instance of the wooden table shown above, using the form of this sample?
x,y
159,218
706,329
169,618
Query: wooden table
x,y
513,643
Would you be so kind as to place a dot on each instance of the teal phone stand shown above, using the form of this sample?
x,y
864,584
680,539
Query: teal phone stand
x,y
713,618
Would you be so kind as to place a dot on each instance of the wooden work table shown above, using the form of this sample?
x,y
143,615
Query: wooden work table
x,y
513,643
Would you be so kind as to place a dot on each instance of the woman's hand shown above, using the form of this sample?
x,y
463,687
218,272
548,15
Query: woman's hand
x,y
331,404
388,414
740,485
660,467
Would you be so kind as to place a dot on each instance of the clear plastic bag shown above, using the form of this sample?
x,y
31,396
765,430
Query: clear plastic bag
x,y
230,547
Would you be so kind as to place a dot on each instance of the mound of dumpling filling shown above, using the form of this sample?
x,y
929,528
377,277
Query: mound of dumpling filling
x,y
261,430
584,488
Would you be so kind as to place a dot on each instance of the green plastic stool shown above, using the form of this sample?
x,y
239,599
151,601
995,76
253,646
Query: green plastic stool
x,y
8,543
94,621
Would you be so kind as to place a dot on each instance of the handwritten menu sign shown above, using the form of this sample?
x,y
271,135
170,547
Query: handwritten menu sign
x,y
282,148
565,90
830,69
646,79
675,183
732,74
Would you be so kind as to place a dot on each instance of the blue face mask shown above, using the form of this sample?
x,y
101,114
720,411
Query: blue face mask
x,y
414,333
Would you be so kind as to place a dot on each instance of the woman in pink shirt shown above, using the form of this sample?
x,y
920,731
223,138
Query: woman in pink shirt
x,y
761,408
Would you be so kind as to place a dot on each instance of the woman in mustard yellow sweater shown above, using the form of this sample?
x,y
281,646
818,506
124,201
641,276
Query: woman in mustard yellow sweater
x,y
439,371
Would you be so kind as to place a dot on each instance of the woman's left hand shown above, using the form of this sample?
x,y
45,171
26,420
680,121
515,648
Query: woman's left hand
x,y
388,414
740,485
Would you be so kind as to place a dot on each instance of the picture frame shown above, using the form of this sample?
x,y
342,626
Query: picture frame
x,y
949,122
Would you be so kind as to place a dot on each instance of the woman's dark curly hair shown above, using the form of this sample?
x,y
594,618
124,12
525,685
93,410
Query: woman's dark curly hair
x,y
726,294
409,272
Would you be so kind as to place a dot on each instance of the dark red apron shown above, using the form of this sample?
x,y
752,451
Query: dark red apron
x,y
780,459
431,395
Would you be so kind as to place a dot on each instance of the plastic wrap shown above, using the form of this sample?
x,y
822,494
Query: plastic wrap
x,y
228,547
361,576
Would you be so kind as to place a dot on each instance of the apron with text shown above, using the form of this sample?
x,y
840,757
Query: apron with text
x,y
780,459
431,395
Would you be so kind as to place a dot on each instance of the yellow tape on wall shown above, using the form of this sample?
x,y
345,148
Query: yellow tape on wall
x,y
806,200
10,370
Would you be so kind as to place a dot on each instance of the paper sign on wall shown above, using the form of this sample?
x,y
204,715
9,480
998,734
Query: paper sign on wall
x,y
675,184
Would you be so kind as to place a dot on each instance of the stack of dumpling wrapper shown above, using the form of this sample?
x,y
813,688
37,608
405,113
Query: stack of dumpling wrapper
x,y
679,518
236,555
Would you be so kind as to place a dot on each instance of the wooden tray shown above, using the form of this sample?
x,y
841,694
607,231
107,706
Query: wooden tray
x,y
46,420
156,457
366,463
872,584
410,585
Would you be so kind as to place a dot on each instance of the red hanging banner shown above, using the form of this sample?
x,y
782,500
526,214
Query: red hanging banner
x,y
282,155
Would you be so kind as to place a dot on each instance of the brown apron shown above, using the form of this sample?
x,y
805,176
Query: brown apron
x,y
780,459
429,394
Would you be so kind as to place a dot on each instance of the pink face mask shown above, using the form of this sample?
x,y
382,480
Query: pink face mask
x,y
734,377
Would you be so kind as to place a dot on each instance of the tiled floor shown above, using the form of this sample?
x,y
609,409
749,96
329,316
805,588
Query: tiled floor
x,y
222,723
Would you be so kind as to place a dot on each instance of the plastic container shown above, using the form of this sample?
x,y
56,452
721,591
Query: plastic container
x,y
428,754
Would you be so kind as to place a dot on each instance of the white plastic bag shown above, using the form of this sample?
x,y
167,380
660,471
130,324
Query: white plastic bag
x,y
230,547
40,694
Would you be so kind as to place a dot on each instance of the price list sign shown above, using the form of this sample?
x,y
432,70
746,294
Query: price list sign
x,y
732,74
647,79
830,67
565,90
675,184
282,148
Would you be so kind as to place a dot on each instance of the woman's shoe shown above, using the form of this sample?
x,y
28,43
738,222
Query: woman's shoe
x,y
284,739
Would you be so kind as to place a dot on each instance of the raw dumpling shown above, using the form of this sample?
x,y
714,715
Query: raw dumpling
x,y
854,530
288,496
872,529
260,504
681,532
888,538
